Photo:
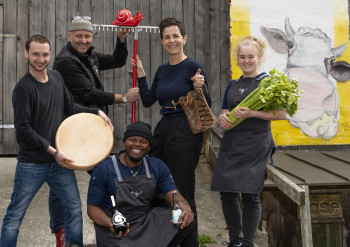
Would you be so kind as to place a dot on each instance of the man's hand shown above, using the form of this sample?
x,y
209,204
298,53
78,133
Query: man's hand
x,y
120,235
105,119
63,160
187,217
122,32
133,94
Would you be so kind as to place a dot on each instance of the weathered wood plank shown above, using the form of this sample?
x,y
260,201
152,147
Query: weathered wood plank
x,y
121,83
214,15
62,23
1,74
144,49
49,26
201,32
157,54
85,8
35,17
188,16
22,35
305,220
223,49
9,74
105,14
194,13
287,186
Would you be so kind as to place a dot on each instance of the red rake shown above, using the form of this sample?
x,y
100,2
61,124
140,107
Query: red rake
x,y
125,21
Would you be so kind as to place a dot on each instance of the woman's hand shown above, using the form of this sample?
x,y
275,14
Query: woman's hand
x,y
224,121
243,113
140,70
198,79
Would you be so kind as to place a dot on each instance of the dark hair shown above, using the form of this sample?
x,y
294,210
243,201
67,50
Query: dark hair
x,y
167,22
37,38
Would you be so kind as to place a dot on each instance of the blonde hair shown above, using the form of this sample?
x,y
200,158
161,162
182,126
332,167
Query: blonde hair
x,y
250,40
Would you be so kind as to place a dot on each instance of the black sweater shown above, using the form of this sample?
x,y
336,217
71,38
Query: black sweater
x,y
39,109
81,73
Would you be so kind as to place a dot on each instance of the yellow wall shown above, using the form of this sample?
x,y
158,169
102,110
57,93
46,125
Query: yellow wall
x,y
284,134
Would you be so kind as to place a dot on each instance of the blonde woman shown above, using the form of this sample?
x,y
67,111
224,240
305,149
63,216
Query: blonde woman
x,y
245,149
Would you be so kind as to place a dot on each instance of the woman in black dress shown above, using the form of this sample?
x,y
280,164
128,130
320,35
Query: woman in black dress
x,y
245,149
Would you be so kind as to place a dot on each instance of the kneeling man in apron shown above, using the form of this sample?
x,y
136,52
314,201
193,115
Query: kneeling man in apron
x,y
134,180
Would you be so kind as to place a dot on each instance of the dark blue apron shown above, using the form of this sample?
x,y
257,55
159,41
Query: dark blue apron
x,y
244,149
149,226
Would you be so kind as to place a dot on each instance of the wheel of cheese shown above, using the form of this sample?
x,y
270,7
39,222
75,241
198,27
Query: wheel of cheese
x,y
85,139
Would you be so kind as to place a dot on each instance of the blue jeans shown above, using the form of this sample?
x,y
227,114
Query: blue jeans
x,y
56,213
29,178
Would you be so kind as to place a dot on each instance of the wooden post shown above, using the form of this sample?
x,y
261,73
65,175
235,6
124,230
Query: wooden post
x,y
305,219
287,186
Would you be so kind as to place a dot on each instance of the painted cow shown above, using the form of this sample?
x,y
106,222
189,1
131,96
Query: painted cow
x,y
311,60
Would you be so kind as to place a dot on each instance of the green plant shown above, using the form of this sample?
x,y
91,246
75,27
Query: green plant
x,y
275,92
204,240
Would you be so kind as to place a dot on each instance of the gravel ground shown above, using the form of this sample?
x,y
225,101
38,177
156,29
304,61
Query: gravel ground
x,y
35,229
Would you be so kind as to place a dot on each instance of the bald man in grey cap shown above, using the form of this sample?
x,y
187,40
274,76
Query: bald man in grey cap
x,y
80,66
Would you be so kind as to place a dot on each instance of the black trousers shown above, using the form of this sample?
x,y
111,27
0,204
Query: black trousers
x,y
241,223
184,237
174,143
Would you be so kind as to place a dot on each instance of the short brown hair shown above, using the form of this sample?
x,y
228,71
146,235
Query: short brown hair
x,y
167,22
37,38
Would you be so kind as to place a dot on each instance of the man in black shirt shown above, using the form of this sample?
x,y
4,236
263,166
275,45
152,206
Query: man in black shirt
x,y
80,66
41,101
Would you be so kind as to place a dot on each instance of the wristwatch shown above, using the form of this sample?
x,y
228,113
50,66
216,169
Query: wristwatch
x,y
124,99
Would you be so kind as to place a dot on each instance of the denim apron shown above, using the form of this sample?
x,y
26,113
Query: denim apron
x,y
149,226
244,149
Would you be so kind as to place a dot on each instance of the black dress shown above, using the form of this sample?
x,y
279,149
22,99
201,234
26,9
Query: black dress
x,y
245,149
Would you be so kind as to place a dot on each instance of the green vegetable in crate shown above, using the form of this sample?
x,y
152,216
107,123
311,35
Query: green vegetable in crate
x,y
275,92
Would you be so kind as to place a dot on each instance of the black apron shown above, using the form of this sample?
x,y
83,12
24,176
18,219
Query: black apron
x,y
149,226
244,149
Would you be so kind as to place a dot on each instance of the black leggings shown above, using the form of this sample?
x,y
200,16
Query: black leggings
x,y
239,223
174,143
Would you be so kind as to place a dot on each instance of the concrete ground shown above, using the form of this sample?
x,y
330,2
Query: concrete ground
x,y
35,230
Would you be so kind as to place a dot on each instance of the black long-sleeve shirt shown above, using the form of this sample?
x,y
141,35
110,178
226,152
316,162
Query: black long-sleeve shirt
x,y
39,109
170,83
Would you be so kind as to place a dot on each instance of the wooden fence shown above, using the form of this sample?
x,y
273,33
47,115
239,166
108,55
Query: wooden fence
x,y
207,27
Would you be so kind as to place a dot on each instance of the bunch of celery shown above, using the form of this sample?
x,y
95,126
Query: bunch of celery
x,y
275,92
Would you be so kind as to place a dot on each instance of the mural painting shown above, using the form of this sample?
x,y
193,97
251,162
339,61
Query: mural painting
x,y
308,53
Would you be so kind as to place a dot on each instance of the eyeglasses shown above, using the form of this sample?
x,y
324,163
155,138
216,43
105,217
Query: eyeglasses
x,y
76,18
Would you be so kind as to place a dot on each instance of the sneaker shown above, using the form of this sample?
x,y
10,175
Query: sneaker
x,y
60,240
225,243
